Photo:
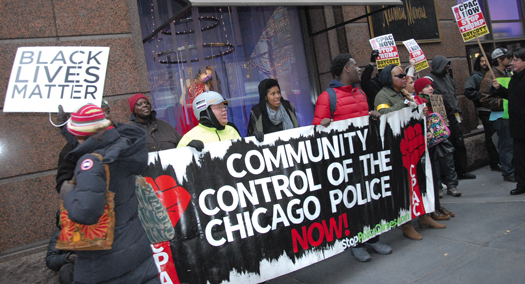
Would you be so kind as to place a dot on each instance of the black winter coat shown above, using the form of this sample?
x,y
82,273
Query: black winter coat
x,y
160,135
124,150
516,96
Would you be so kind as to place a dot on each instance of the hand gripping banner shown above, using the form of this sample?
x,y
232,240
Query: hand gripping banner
x,y
246,212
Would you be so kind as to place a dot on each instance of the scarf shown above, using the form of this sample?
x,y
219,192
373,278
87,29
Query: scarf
x,y
278,116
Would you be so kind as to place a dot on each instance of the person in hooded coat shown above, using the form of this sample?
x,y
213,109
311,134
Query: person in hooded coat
x,y
160,135
391,97
123,148
273,113
444,85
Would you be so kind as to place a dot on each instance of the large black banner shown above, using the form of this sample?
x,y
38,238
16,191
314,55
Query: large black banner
x,y
246,212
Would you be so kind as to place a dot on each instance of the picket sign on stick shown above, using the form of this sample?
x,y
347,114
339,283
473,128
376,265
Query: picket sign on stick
x,y
476,33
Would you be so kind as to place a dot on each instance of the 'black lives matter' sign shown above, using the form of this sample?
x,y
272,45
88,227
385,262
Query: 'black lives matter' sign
x,y
44,77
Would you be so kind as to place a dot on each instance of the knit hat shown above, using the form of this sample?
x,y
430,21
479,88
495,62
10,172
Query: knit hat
x,y
133,100
87,120
421,83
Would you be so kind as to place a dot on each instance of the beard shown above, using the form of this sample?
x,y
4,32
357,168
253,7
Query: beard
x,y
485,68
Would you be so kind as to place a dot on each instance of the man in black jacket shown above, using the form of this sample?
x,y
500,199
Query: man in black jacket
x,y
471,91
517,118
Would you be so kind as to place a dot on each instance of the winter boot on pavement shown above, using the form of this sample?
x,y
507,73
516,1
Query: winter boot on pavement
x,y
453,191
380,248
360,254
426,222
411,232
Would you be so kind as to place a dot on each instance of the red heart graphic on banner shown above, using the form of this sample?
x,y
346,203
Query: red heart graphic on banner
x,y
174,197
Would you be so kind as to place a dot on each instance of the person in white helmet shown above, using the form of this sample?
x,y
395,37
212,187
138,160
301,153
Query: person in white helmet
x,y
210,108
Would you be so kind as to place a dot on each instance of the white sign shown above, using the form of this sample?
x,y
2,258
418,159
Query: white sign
x,y
44,77
387,50
417,54
470,20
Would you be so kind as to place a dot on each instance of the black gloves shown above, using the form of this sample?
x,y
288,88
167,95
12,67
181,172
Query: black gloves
x,y
197,144
62,117
373,55
259,136
374,114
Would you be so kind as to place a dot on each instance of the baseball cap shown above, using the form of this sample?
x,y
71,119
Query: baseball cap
x,y
499,52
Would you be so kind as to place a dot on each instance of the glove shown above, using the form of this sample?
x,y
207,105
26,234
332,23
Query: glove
x,y
374,114
197,144
373,55
66,187
62,117
326,122
259,136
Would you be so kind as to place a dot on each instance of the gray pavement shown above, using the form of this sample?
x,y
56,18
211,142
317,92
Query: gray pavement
x,y
484,243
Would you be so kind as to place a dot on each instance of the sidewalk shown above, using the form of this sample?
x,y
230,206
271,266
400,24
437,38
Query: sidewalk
x,y
484,243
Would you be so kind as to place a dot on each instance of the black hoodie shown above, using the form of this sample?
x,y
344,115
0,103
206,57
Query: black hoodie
x,y
444,85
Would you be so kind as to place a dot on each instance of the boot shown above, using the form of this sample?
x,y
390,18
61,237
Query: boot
x,y
426,221
444,211
453,191
410,232
439,216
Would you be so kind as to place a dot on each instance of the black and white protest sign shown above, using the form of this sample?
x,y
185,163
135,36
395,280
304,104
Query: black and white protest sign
x,y
44,77
246,212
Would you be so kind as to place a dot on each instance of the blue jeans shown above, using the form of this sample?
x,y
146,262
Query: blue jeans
x,y
505,148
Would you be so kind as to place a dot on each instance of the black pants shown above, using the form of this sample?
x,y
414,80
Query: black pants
x,y
489,131
519,163
460,153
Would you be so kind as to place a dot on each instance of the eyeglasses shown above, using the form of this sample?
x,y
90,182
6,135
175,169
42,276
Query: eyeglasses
x,y
400,76
220,107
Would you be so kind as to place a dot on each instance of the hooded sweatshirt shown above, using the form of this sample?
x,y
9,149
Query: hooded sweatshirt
x,y
444,85
259,120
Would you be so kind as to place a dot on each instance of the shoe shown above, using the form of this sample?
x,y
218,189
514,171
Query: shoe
x,y
439,216
510,178
440,193
453,191
517,191
411,232
380,248
496,168
426,222
444,211
360,254
466,176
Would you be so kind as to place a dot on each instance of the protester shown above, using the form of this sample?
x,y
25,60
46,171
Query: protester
x,y
517,118
66,167
371,86
350,102
160,135
444,85
60,260
440,155
210,108
391,96
273,113
472,92
492,98
124,150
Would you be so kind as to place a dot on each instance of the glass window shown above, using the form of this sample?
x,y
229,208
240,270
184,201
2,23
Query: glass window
x,y
506,30
504,10
237,48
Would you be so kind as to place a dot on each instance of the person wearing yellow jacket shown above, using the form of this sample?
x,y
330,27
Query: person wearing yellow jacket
x,y
210,108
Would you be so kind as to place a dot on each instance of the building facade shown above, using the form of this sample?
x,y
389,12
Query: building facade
x,y
171,52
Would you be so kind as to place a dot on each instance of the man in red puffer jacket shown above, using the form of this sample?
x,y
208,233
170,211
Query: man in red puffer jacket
x,y
348,102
